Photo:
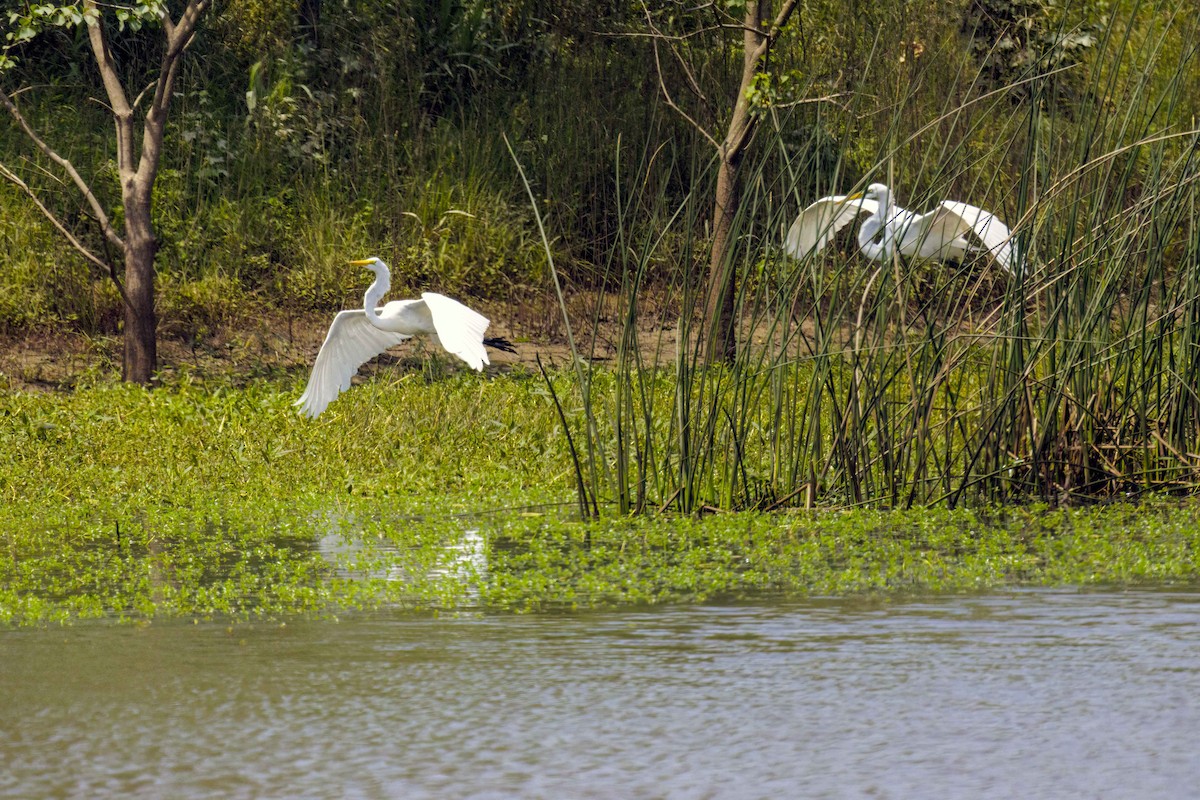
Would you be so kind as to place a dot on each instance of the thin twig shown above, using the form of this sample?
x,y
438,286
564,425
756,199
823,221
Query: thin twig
x,y
829,98
109,232
692,83
662,84
663,508
107,266
137,101
668,37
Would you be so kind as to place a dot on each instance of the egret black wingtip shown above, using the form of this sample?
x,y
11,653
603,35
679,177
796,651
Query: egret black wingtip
x,y
500,343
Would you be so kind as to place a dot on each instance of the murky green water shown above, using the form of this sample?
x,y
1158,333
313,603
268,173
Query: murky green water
x,y
1026,694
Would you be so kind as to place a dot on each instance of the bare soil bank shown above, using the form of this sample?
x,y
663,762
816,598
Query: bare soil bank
x,y
267,342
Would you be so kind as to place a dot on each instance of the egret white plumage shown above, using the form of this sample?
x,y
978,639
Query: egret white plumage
x,y
358,335
950,232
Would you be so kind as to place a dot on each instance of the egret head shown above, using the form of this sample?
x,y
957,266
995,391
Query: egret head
x,y
373,263
876,191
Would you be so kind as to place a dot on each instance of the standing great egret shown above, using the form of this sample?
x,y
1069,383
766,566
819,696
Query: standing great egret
x,y
940,235
358,335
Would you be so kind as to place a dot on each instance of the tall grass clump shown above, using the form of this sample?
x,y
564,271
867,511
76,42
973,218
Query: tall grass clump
x,y
907,383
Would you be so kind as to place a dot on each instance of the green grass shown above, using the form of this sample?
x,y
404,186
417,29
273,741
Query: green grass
x,y
114,446
208,501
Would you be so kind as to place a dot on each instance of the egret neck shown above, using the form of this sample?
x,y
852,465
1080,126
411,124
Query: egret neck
x,y
881,250
376,291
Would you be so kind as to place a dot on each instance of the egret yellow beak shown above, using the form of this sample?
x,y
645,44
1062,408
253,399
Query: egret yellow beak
x,y
362,262
850,197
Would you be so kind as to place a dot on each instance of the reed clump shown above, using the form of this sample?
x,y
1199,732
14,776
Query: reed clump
x,y
903,383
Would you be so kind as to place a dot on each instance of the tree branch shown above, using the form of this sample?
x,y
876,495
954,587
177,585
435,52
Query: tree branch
x,y
109,232
741,126
671,102
828,98
167,23
655,33
693,84
107,266
179,36
104,60
781,19
119,102
658,36
137,101
662,85
757,43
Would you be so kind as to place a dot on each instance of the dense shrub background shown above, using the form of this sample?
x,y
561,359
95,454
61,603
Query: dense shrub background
x,y
301,139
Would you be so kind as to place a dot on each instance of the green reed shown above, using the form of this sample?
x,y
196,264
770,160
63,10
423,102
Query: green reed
x,y
906,383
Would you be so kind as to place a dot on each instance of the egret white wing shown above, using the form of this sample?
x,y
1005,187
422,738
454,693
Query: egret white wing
x,y
351,342
961,218
821,221
459,329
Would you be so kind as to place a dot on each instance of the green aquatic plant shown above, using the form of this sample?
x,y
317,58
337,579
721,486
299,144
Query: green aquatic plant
x,y
215,502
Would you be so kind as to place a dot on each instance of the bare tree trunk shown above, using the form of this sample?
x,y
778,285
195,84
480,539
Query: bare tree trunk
x,y
141,324
721,296
137,169
722,288
721,301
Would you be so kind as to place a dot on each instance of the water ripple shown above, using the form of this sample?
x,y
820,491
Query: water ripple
x,y
1022,694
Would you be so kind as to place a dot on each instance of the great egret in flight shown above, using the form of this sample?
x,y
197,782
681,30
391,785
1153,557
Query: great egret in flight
x,y
358,335
942,234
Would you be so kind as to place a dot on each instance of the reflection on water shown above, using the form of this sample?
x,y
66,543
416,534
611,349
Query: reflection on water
x,y
456,561
1026,694
463,557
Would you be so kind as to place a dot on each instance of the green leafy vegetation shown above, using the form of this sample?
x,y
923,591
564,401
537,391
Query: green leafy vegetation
x,y
297,142
210,501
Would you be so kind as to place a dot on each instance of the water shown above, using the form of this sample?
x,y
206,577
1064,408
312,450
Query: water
x,y
1046,694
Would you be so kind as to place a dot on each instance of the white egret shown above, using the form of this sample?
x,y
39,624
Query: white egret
x,y
358,335
941,235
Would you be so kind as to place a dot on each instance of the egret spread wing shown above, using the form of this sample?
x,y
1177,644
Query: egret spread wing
x,y
351,342
960,218
459,329
821,221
